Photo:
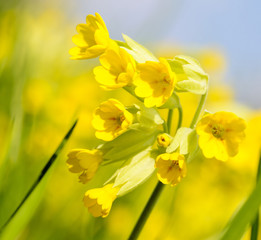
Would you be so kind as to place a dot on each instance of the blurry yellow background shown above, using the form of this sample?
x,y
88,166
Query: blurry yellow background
x,y
42,91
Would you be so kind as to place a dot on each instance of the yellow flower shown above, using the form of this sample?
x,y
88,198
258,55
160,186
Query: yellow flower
x,y
220,134
155,82
117,70
84,161
111,119
171,168
163,140
99,200
93,38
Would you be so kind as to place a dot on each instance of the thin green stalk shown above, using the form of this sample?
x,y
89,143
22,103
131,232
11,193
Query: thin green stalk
x,y
130,90
42,174
165,127
146,211
199,110
169,121
254,229
180,117
156,193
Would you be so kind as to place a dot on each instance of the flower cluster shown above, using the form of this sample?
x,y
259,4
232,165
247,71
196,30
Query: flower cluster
x,y
129,133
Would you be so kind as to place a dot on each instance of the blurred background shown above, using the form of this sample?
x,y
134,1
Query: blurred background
x,y
42,91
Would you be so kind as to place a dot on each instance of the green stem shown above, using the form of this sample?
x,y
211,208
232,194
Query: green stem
x,y
42,174
130,90
146,211
165,127
180,117
169,121
255,224
158,189
254,229
199,110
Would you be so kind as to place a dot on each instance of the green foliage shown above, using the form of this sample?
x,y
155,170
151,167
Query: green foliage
x,y
134,171
244,216
128,144
190,75
140,53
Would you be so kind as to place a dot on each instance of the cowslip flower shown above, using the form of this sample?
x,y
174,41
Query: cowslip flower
x,y
163,140
220,134
85,162
171,168
117,70
111,119
155,82
99,200
93,38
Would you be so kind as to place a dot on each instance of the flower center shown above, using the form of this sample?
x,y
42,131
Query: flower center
x,y
217,131
163,140
166,79
174,164
121,118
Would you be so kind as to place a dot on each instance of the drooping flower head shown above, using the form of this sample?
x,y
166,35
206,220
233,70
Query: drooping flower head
x,y
220,134
111,119
155,82
117,70
84,161
171,168
93,38
99,200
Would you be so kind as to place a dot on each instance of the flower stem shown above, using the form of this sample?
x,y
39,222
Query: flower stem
x,y
199,110
42,174
165,127
180,117
169,121
254,229
130,90
157,191
146,211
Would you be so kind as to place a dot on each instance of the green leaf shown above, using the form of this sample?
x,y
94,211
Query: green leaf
x,y
134,172
122,44
140,53
173,102
192,86
25,213
128,144
190,76
193,147
25,210
180,140
244,216
148,117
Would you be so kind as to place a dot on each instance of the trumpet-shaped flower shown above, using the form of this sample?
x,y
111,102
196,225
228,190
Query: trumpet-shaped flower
x,y
117,70
99,200
111,119
84,161
155,82
93,38
220,134
171,168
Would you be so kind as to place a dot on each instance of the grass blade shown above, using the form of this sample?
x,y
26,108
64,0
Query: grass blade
x,y
254,229
41,175
244,216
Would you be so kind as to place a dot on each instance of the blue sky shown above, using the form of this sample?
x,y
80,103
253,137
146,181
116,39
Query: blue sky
x,y
234,26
